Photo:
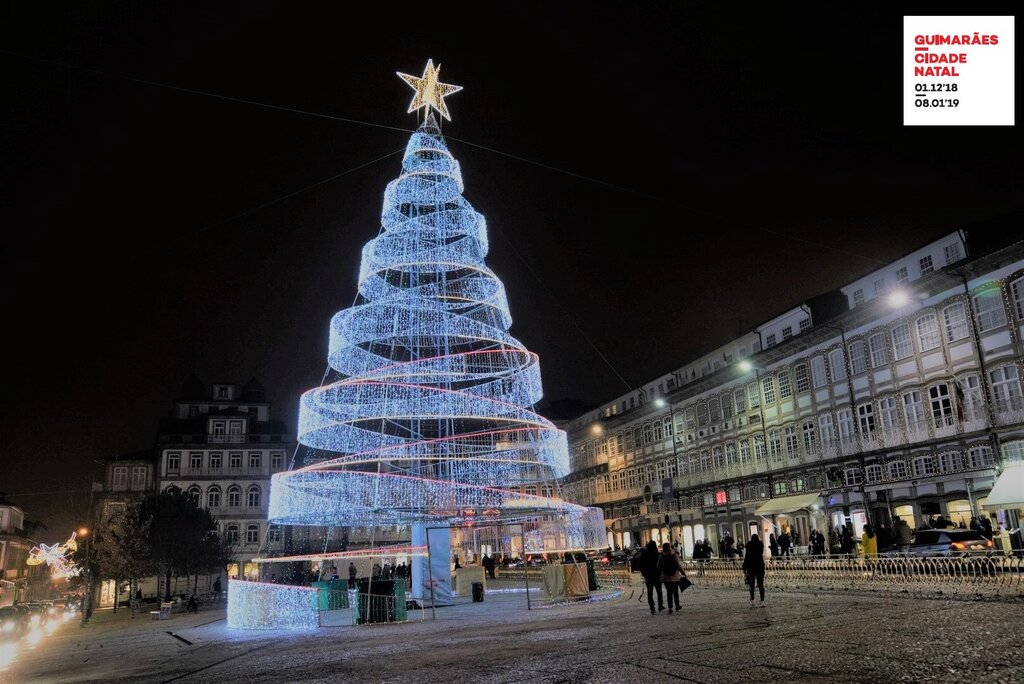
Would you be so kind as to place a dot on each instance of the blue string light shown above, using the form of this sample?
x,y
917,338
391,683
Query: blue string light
x,y
430,422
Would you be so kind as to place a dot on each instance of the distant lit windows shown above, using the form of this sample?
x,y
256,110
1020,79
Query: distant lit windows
x,y
1006,388
785,385
803,382
926,264
888,412
1018,297
138,477
902,347
858,358
989,307
954,318
818,376
913,409
928,332
837,364
879,350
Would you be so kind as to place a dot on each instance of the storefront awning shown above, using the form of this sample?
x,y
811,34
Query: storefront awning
x,y
787,504
1008,491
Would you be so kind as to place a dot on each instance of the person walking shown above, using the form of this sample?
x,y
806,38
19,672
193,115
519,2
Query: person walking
x,y
753,567
652,575
869,543
671,575
352,574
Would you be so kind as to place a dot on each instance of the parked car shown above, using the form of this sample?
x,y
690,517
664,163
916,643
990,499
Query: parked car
x,y
952,542
13,623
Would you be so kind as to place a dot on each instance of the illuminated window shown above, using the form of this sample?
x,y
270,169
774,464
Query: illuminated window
x,y
858,358
928,332
837,364
818,376
989,308
721,497
902,347
955,319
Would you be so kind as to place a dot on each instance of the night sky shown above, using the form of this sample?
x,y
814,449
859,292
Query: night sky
x,y
691,173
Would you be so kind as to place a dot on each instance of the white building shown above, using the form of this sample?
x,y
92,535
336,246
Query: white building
x,y
776,443
223,446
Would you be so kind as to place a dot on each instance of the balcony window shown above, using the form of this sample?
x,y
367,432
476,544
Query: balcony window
x,y
235,460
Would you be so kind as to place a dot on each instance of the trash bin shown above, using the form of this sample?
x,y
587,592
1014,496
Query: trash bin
x,y
478,592
591,576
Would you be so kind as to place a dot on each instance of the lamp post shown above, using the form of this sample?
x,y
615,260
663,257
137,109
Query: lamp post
x,y
87,602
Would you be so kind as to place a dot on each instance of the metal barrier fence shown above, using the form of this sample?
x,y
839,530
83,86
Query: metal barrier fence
x,y
997,576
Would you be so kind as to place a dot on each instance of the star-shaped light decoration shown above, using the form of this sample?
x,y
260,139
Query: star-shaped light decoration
x,y
430,92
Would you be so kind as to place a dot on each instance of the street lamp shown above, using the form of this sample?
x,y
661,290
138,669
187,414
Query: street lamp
x,y
87,602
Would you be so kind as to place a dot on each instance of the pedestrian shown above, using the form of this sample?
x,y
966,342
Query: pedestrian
x,y
352,574
671,575
869,542
753,567
193,605
773,545
903,536
846,540
698,555
651,574
986,527
784,543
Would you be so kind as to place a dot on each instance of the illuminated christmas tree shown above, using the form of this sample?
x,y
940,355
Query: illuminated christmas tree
x,y
428,422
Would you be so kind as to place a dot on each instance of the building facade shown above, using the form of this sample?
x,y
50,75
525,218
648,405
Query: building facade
x,y
850,408
222,446
19,581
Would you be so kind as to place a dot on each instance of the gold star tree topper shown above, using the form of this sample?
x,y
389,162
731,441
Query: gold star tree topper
x,y
430,92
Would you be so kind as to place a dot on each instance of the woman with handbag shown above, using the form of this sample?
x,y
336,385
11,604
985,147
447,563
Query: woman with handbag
x,y
671,575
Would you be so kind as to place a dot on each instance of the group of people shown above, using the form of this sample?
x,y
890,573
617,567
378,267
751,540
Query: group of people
x,y
386,571
784,543
660,569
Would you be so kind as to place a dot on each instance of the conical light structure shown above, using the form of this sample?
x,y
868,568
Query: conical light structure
x,y
429,421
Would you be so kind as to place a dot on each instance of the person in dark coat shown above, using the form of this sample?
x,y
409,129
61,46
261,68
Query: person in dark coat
x,y
784,540
753,567
652,574
773,545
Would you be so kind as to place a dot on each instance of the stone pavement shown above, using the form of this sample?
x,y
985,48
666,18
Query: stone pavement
x,y
799,637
